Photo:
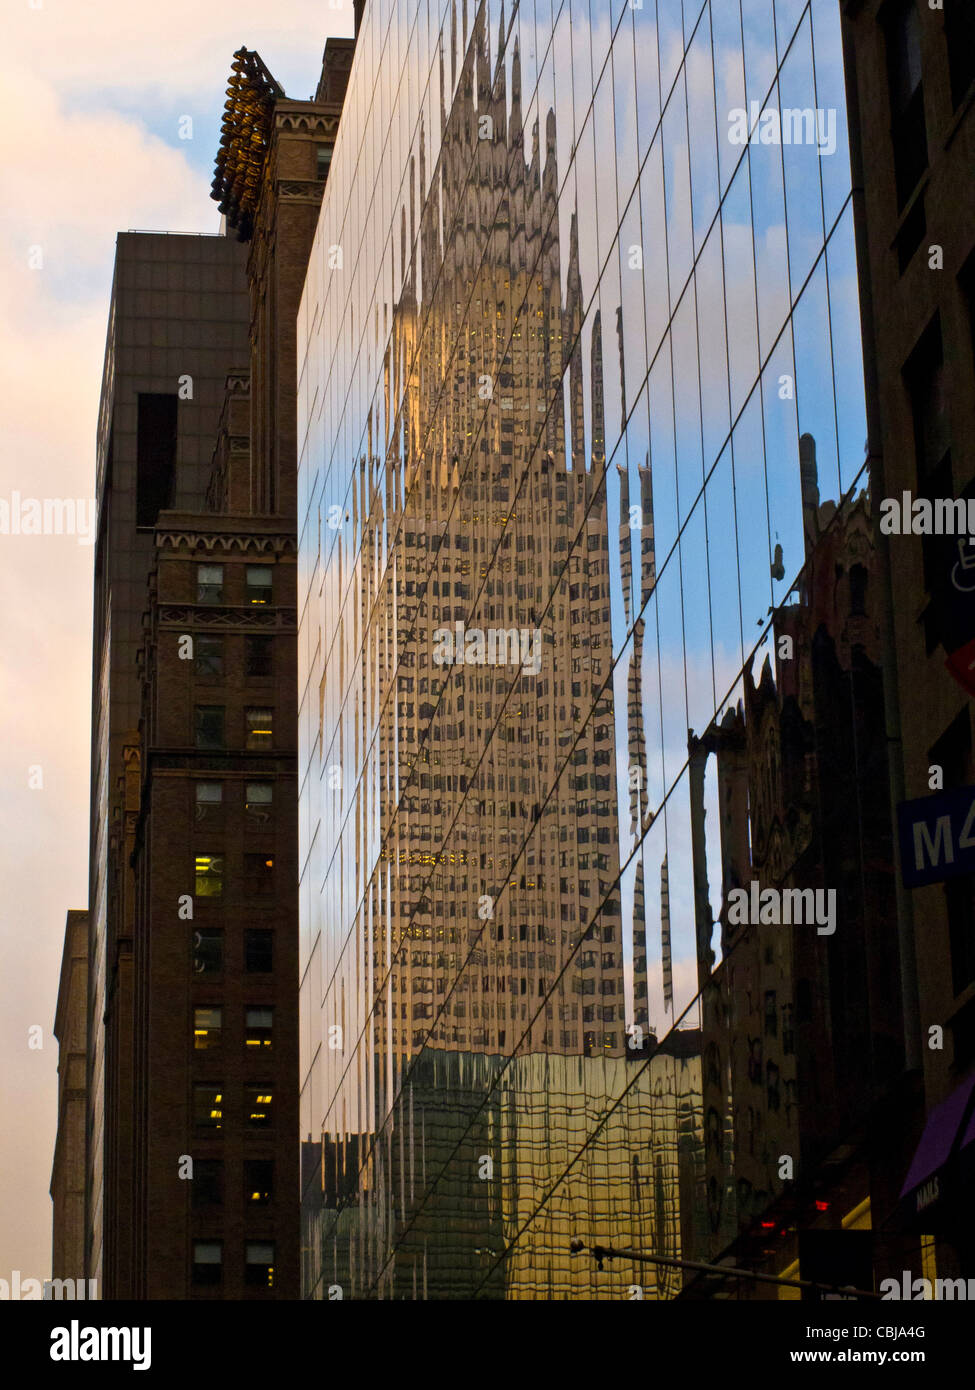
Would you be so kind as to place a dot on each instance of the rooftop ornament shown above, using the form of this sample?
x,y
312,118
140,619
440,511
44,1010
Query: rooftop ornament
x,y
244,139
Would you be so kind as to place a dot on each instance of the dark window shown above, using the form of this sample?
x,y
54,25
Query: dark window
x,y
259,725
208,1107
258,951
208,651
207,950
258,1028
258,875
207,1182
259,583
210,726
259,1264
207,1028
858,590
258,1181
960,34
903,31
155,456
209,583
207,1261
258,1107
323,162
258,655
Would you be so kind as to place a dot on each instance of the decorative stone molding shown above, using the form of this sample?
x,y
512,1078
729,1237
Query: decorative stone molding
x,y
190,540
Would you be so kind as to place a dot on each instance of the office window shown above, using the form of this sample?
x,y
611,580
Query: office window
x,y
207,950
258,656
259,1264
259,583
258,1025
259,725
903,33
258,1107
209,875
209,583
258,951
207,1028
210,726
156,433
208,1107
258,1181
207,1189
208,656
258,800
258,875
209,798
960,34
207,1261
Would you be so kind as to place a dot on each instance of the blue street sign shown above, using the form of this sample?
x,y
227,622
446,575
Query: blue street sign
x,y
937,837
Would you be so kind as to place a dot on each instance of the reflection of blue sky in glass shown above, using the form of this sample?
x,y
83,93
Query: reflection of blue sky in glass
x,y
719,382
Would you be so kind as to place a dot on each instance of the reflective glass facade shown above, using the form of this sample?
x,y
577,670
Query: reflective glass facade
x,y
580,392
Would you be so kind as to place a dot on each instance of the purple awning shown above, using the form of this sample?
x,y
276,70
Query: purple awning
x,y
940,1132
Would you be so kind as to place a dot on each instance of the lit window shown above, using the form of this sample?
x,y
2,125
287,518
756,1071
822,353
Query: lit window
x,y
208,1107
207,1028
258,583
258,1107
258,800
209,875
207,1261
258,1024
209,583
208,656
258,950
258,1181
209,726
259,724
207,951
259,1264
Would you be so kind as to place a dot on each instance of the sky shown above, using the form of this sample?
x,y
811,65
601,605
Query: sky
x,y
97,92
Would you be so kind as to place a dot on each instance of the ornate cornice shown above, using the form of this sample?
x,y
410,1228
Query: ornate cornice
x,y
194,540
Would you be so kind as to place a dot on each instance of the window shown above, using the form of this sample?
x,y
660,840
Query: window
x,y
960,34
208,1107
258,951
209,726
209,797
209,583
258,584
323,162
906,95
258,875
207,951
258,656
259,1264
258,1181
259,724
209,875
208,656
258,799
258,1024
207,1028
207,1261
156,433
207,1189
258,1107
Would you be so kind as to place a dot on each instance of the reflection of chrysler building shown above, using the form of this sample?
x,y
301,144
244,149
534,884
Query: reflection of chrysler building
x,y
488,874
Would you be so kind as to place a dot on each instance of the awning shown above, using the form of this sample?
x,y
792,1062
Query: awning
x,y
950,1128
